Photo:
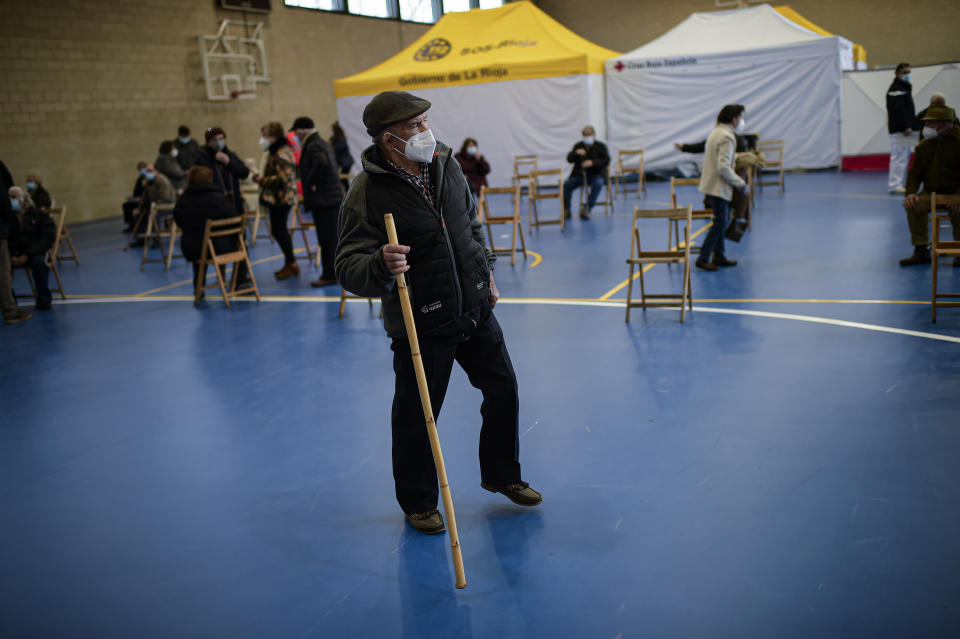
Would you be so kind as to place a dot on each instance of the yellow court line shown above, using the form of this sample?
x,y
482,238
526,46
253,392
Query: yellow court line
x,y
537,258
623,284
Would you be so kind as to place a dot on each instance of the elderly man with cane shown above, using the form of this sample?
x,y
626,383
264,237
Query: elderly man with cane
x,y
442,253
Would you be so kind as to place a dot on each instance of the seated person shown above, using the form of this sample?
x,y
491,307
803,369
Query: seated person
x,y
31,235
167,164
134,203
201,201
187,148
474,165
590,160
936,165
37,194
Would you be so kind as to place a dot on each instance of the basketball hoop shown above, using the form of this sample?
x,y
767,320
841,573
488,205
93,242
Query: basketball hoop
x,y
243,93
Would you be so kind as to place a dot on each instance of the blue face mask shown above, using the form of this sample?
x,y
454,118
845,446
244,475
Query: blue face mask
x,y
14,204
905,77
31,186
150,176
184,140
143,172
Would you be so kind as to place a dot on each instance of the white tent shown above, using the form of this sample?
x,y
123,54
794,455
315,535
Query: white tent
x,y
788,77
513,78
866,141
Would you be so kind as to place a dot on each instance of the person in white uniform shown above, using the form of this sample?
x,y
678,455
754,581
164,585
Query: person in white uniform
x,y
901,120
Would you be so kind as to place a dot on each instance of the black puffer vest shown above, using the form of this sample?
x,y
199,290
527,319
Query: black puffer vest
x,y
448,280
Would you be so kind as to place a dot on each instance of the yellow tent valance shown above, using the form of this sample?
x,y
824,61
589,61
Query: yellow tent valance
x,y
514,42
859,53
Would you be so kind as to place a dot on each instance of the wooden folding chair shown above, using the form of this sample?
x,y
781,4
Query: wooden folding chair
x,y
227,227
160,228
941,248
297,223
545,191
639,257
57,215
608,196
488,220
522,166
673,230
630,162
344,296
63,235
773,151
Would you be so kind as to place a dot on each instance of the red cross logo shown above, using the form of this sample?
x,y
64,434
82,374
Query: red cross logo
x,y
619,66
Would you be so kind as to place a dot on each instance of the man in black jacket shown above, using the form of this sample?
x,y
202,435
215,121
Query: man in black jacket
x,y
450,274
227,168
322,193
187,148
8,304
901,119
32,233
590,160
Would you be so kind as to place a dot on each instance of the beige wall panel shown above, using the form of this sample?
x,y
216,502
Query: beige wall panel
x,y
92,86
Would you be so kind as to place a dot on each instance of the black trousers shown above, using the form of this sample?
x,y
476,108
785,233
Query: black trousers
x,y
485,360
325,220
279,214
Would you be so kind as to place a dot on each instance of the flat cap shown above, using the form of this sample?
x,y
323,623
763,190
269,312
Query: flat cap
x,y
390,107
940,113
303,122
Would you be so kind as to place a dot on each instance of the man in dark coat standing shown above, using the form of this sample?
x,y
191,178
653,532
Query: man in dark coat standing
x,y
227,168
322,193
901,119
32,233
450,274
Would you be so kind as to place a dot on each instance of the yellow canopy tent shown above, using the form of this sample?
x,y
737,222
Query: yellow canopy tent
x,y
859,53
513,78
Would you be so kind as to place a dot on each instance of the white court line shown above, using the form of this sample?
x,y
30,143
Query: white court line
x,y
551,302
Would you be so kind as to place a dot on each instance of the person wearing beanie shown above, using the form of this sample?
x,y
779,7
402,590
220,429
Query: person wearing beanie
x,y
322,194
936,166
449,271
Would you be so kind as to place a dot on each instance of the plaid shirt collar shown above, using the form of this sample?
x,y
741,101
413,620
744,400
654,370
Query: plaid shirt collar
x,y
419,182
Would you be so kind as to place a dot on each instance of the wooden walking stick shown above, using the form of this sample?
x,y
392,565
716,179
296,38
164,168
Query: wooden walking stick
x,y
428,413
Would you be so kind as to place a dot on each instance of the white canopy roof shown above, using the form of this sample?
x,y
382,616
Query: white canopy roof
x,y
718,32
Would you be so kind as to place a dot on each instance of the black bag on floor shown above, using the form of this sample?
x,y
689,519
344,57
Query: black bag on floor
x,y
736,229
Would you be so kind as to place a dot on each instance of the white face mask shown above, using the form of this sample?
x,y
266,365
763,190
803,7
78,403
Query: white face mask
x,y
174,153
741,125
219,145
264,143
588,140
419,147
930,132
471,150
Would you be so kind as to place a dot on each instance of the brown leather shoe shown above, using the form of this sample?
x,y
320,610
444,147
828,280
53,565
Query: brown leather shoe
x,y
429,522
16,316
288,271
519,493
323,282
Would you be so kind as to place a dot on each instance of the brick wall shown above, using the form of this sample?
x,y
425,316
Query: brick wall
x,y
89,87
920,32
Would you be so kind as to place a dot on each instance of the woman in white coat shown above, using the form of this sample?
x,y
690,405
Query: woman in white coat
x,y
718,181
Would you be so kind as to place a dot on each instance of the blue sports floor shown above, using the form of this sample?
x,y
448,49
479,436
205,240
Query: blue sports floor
x,y
783,464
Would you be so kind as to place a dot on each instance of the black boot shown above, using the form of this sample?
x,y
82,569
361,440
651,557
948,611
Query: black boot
x,y
921,255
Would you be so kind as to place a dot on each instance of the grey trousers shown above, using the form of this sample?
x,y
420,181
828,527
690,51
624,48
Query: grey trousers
x,y
7,303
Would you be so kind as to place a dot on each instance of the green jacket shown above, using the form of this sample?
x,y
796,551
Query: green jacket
x,y
450,264
936,165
